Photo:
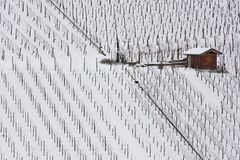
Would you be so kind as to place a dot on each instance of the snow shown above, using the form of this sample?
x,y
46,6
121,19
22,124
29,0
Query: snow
x,y
209,95
200,51
197,51
59,102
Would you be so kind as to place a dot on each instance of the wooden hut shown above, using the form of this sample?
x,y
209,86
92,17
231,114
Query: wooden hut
x,y
202,58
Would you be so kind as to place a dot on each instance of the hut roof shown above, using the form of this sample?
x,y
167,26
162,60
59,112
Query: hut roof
x,y
200,51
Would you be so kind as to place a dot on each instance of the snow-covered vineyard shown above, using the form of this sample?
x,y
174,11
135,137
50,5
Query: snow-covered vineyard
x,y
58,102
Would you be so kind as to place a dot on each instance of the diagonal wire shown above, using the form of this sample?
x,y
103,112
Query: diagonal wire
x,y
78,28
169,120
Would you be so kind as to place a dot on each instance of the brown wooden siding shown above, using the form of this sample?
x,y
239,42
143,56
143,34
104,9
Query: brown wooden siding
x,y
206,61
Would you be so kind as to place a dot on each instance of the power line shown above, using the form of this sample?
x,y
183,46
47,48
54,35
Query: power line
x,y
175,127
78,28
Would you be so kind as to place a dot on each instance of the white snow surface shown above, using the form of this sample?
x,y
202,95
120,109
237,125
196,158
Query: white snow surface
x,y
196,51
59,102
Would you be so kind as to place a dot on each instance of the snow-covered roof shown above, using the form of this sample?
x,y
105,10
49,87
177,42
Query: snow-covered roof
x,y
199,51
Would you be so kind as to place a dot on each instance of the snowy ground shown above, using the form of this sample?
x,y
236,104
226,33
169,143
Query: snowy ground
x,y
58,102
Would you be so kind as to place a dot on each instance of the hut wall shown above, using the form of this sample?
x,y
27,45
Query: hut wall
x,y
206,61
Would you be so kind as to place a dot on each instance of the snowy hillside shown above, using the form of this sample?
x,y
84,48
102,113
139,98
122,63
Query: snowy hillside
x,y
159,29
59,102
